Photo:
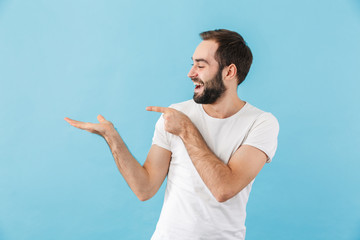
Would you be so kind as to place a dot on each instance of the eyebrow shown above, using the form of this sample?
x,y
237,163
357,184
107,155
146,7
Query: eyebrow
x,y
200,60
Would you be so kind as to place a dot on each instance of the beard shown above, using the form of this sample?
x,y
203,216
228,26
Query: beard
x,y
213,89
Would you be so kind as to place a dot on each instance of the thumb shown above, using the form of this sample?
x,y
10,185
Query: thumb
x,y
100,118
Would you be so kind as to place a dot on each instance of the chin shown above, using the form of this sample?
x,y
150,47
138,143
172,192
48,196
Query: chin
x,y
200,100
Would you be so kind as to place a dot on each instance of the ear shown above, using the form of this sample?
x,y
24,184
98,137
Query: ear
x,y
230,72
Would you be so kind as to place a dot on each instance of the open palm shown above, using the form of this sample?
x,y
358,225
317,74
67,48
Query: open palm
x,y
100,128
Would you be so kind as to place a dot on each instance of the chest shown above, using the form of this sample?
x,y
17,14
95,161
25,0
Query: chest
x,y
223,137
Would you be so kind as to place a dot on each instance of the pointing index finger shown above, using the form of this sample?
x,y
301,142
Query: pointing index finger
x,y
157,109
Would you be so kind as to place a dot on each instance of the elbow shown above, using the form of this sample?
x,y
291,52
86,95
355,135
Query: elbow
x,y
223,196
145,192
144,196
225,192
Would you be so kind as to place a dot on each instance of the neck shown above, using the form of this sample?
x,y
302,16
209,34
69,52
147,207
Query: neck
x,y
225,106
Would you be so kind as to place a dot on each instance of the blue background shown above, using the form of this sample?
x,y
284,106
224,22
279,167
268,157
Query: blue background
x,y
81,58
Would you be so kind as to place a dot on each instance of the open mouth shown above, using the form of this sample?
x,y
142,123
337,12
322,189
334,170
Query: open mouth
x,y
198,87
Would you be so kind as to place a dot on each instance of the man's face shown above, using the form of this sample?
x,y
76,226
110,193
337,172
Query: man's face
x,y
206,75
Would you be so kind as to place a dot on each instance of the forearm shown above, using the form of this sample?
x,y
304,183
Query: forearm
x,y
134,174
215,174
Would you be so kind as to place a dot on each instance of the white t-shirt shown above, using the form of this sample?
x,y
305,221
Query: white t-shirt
x,y
190,211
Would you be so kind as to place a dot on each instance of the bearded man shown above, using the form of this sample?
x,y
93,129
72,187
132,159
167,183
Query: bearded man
x,y
211,148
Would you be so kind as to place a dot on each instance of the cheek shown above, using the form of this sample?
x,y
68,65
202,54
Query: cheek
x,y
203,77
207,75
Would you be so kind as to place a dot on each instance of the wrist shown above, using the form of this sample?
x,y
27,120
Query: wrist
x,y
187,130
110,133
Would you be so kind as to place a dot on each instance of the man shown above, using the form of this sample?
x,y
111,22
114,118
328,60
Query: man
x,y
211,148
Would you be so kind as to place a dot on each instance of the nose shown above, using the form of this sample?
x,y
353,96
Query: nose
x,y
192,73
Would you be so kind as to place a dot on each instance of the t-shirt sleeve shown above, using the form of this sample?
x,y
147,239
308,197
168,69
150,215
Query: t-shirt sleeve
x,y
263,135
161,137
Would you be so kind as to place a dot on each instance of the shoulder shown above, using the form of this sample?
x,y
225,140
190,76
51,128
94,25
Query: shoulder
x,y
262,118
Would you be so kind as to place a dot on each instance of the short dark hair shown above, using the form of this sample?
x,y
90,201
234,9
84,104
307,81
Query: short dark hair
x,y
232,49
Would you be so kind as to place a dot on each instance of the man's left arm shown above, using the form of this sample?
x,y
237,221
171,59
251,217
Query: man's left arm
x,y
223,180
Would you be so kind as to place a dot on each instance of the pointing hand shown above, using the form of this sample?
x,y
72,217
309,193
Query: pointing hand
x,y
175,121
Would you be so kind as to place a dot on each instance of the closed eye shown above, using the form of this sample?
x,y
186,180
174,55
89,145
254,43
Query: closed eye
x,y
198,66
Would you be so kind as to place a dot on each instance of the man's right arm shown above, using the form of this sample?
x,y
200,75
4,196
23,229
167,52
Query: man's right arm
x,y
144,180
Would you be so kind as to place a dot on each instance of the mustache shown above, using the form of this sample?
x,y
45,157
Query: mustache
x,y
197,80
